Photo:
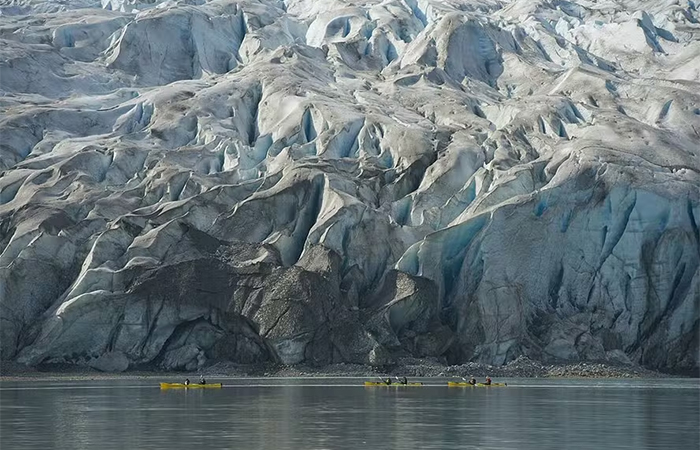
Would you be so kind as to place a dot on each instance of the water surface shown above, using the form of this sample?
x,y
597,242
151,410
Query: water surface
x,y
342,414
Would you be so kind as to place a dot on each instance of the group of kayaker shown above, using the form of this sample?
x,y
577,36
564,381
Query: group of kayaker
x,y
387,381
403,380
201,380
473,382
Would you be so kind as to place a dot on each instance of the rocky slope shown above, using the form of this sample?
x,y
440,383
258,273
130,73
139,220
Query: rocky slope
x,y
321,182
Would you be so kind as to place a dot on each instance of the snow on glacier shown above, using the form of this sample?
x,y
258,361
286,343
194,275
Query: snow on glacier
x,y
304,181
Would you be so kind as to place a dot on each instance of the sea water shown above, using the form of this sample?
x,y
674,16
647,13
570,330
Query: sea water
x,y
322,413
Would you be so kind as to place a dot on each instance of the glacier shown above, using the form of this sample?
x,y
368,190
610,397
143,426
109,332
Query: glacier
x,y
304,182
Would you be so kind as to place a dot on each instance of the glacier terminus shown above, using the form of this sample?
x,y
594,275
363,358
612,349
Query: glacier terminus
x,y
316,182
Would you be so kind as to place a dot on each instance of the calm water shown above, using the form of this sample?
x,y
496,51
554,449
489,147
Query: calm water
x,y
341,414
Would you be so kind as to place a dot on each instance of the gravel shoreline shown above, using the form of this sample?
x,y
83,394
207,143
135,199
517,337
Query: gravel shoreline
x,y
519,368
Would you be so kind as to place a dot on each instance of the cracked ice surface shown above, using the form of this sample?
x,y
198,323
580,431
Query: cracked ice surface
x,y
302,181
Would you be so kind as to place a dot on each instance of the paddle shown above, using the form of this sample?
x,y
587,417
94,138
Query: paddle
x,y
382,380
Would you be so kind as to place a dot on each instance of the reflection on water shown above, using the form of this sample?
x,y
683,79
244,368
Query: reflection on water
x,y
328,414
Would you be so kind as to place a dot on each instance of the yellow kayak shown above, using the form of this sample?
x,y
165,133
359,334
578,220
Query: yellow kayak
x,y
393,384
189,386
465,384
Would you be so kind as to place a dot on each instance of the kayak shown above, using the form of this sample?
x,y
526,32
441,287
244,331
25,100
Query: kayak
x,y
189,386
379,384
465,384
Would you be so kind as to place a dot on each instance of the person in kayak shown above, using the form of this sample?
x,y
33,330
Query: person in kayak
x,y
388,382
202,380
488,381
472,381
187,381
404,380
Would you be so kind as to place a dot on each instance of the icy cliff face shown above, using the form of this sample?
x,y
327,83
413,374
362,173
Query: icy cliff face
x,y
315,182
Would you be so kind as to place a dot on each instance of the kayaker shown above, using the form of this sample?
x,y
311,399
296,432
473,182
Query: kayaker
x,y
187,381
488,381
388,381
202,380
404,381
472,381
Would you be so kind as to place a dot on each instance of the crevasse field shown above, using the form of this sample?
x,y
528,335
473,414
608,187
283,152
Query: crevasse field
x,y
337,181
